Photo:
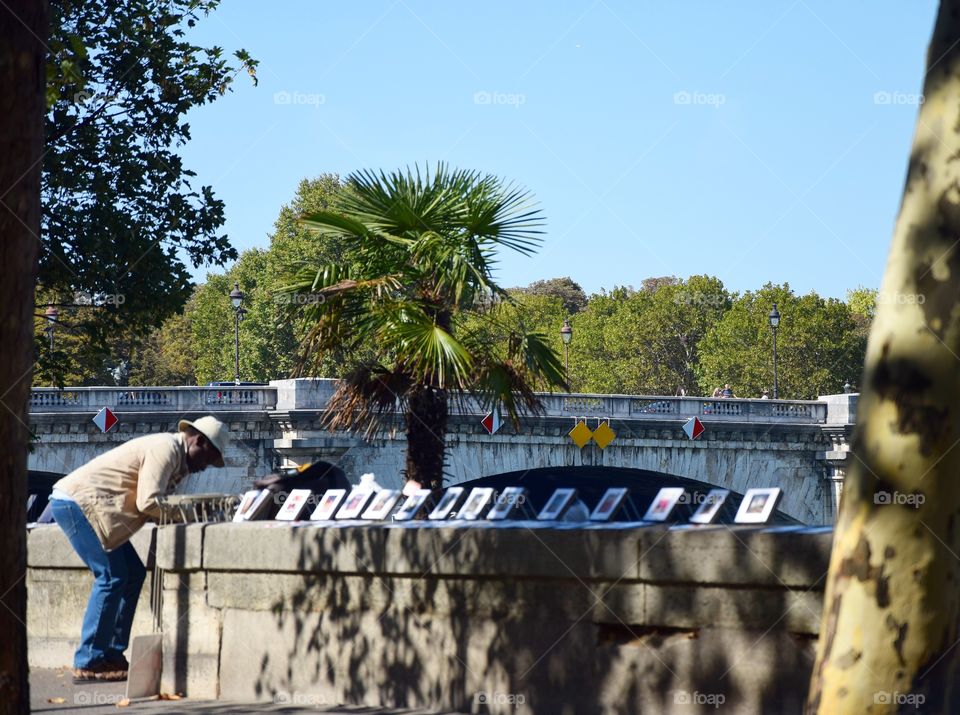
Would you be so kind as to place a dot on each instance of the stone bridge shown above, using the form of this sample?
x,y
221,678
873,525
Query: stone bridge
x,y
800,446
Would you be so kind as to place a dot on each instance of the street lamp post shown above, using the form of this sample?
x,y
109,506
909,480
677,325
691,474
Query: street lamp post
x,y
51,314
236,297
566,333
774,324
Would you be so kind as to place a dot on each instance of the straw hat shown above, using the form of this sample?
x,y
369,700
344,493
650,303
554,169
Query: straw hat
x,y
213,429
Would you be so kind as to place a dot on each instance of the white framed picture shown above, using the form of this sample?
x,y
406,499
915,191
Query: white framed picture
x,y
757,506
609,504
663,504
329,502
477,501
382,504
246,503
296,502
259,505
557,504
447,503
355,503
710,506
413,506
510,500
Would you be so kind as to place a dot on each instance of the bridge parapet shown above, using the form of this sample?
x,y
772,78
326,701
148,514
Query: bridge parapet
x,y
154,399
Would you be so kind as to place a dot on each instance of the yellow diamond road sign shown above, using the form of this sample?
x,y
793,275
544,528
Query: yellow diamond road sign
x,y
603,435
581,434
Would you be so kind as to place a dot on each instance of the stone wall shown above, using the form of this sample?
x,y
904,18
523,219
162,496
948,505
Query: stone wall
x,y
523,618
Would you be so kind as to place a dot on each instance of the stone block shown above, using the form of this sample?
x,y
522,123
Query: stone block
x,y
191,638
48,547
180,547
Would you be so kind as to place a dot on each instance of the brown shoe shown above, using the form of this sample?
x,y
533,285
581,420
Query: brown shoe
x,y
100,672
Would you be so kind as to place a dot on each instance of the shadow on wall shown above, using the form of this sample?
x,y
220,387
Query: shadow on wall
x,y
570,621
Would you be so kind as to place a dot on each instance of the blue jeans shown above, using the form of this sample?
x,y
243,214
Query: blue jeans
x,y
118,577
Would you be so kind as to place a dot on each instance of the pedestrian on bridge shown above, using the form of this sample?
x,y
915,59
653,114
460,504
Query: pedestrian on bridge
x,y
100,506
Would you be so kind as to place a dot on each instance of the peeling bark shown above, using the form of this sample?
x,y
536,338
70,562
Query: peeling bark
x,y
892,606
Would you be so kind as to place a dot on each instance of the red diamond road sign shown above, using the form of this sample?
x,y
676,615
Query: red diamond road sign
x,y
491,422
693,427
105,419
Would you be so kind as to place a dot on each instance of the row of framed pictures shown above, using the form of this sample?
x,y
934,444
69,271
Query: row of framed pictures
x,y
483,503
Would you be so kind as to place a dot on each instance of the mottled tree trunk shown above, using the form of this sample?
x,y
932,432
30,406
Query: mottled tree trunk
x,y
23,27
888,639
426,431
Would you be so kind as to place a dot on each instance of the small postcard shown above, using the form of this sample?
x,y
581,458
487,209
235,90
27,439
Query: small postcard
x,y
382,504
246,503
479,499
757,506
561,500
413,506
710,506
609,504
356,502
295,504
328,504
447,502
511,499
663,504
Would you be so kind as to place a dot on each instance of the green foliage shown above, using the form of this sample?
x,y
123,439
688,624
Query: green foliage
x,y
418,253
121,212
819,346
566,289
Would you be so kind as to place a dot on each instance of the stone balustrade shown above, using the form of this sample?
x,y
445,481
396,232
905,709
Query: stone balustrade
x,y
153,399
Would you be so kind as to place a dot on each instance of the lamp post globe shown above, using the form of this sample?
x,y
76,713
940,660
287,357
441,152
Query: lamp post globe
x,y
236,297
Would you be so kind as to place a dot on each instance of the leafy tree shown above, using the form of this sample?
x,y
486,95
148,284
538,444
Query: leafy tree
x,y
419,250
566,289
818,347
891,610
167,356
121,213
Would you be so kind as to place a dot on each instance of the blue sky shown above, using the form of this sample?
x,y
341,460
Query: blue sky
x,y
766,141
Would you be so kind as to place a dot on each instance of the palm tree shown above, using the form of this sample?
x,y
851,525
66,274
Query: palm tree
x,y
419,254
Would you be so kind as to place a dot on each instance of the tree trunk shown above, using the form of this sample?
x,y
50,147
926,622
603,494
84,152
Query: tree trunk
x,y
22,73
892,606
426,434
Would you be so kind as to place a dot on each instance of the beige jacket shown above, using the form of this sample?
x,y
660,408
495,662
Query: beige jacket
x,y
118,490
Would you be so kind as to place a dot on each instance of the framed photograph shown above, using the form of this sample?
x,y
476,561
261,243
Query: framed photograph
x,y
557,504
328,504
382,504
757,506
448,501
511,499
356,502
246,503
477,501
413,505
710,506
663,504
294,506
609,504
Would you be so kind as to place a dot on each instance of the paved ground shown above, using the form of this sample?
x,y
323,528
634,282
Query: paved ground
x,y
52,691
